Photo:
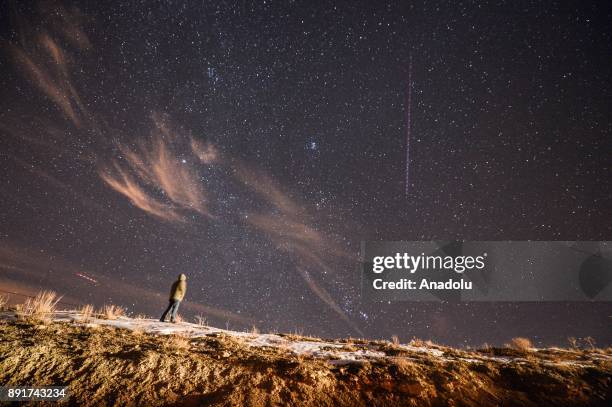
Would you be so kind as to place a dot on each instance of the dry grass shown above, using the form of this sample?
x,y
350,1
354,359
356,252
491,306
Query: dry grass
x,y
137,331
3,301
403,363
590,342
254,330
178,319
520,343
39,308
87,312
201,320
485,347
582,343
174,343
573,342
349,347
395,340
419,343
112,312
307,338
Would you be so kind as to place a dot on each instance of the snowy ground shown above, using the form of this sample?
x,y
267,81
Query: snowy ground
x,y
333,351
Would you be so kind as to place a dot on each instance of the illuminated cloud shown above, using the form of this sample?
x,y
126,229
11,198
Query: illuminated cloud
x,y
206,152
123,183
155,179
68,22
265,186
288,220
54,50
288,226
53,82
327,299
46,64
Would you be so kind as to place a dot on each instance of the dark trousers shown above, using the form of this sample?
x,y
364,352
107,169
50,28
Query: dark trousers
x,y
172,309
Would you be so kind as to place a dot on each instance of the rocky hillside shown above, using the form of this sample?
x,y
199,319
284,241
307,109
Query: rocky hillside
x,y
127,361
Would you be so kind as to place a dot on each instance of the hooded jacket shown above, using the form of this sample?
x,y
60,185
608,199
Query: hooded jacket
x,y
179,287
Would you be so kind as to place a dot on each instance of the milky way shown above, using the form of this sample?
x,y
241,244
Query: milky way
x,y
254,146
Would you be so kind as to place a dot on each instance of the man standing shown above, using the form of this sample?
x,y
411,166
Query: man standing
x,y
177,293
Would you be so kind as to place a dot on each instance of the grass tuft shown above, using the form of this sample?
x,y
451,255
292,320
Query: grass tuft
x,y
112,312
201,320
419,343
87,312
520,343
173,343
39,308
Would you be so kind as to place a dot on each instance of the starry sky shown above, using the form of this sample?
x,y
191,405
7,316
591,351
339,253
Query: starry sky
x,y
253,146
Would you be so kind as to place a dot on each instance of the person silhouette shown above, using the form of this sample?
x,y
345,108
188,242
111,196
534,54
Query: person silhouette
x,y
177,293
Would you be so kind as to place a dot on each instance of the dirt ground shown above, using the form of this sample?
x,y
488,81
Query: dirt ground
x,y
110,366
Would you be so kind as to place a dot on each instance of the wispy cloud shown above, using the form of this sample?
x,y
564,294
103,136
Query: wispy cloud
x,y
155,179
327,298
288,219
267,188
54,82
67,22
123,183
206,152
46,63
288,225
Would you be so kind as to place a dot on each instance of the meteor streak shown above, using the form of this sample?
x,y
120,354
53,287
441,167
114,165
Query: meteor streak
x,y
86,277
408,128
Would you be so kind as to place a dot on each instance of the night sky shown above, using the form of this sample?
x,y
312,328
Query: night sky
x,y
254,146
